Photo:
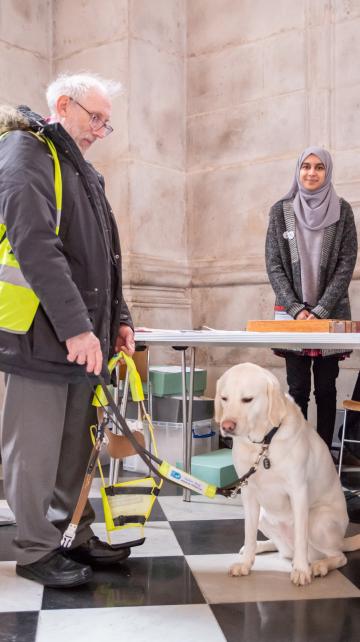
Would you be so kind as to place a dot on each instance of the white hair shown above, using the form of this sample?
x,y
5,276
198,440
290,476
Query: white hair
x,y
77,85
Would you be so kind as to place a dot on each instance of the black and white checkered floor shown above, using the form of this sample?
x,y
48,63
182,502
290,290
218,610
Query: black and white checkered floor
x,y
176,587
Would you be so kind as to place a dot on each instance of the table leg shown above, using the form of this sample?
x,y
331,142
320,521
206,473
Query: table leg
x,y
185,457
188,432
150,401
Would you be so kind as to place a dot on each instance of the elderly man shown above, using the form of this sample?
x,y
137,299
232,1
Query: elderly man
x,y
62,315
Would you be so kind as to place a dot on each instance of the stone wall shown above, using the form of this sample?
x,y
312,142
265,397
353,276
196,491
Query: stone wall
x,y
25,51
219,98
265,80
141,44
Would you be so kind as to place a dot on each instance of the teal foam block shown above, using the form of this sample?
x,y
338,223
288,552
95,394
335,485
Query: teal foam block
x,y
215,467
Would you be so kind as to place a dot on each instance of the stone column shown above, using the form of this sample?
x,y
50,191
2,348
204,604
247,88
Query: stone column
x,y
25,49
265,79
142,45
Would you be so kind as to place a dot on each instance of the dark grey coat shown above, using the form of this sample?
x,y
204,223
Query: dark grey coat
x,y
337,262
76,275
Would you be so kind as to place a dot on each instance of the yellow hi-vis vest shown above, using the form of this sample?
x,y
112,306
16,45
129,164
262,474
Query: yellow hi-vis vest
x,y
18,302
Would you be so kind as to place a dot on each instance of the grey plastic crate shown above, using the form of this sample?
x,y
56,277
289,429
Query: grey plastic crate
x,y
171,409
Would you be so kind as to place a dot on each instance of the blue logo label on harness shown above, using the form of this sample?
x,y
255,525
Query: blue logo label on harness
x,y
175,474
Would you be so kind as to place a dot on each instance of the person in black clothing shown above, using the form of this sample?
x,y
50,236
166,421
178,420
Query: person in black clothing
x,y
311,250
81,321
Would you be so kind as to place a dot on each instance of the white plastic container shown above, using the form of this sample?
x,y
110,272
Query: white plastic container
x,y
169,441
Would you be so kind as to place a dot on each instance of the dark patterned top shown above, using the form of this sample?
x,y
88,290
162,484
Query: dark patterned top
x,y
337,263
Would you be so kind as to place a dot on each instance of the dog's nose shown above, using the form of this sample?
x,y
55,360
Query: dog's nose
x,y
228,425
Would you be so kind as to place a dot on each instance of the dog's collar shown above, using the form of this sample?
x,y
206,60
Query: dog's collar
x,y
231,491
268,437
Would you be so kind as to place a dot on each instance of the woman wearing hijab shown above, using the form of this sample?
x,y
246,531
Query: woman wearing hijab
x,y
311,249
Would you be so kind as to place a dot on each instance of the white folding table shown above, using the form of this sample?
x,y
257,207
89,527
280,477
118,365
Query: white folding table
x,y
183,340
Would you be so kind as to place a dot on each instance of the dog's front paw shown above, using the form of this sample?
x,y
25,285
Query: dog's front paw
x,y
240,568
320,568
301,576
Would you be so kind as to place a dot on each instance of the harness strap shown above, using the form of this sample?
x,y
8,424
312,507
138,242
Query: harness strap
x,y
145,454
85,489
111,491
129,519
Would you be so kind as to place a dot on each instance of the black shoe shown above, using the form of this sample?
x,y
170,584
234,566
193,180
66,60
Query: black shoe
x,y
95,552
56,571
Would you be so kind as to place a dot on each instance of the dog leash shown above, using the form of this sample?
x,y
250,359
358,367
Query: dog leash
x,y
159,467
153,462
235,488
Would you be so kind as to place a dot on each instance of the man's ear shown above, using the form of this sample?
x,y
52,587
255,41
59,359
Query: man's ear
x,y
217,401
62,105
276,401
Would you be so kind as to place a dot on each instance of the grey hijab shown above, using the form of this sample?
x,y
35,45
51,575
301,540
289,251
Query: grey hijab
x,y
316,209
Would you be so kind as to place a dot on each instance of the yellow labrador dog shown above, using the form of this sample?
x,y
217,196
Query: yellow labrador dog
x,y
294,497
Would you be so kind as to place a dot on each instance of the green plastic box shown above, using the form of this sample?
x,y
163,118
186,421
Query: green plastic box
x,y
214,467
166,380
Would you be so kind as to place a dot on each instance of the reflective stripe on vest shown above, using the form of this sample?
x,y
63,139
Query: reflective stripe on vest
x,y
18,302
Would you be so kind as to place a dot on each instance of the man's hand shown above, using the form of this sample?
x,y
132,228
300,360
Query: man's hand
x,y
125,341
85,349
304,314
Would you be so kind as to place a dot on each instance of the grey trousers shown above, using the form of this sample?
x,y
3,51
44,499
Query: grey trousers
x,y
45,446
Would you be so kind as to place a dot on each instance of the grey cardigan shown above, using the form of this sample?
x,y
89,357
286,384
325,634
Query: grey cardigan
x,y
337,262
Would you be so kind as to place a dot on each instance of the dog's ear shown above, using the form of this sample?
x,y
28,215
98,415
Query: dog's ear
x,y
217,401
276,401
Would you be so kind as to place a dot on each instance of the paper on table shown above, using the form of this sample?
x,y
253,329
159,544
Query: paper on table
x,y
281,315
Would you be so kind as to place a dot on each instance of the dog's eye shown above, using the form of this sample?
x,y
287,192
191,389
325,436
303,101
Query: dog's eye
x,y
224,398
247,399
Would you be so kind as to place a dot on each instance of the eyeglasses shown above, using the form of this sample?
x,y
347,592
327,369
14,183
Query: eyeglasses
x,y
95,122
